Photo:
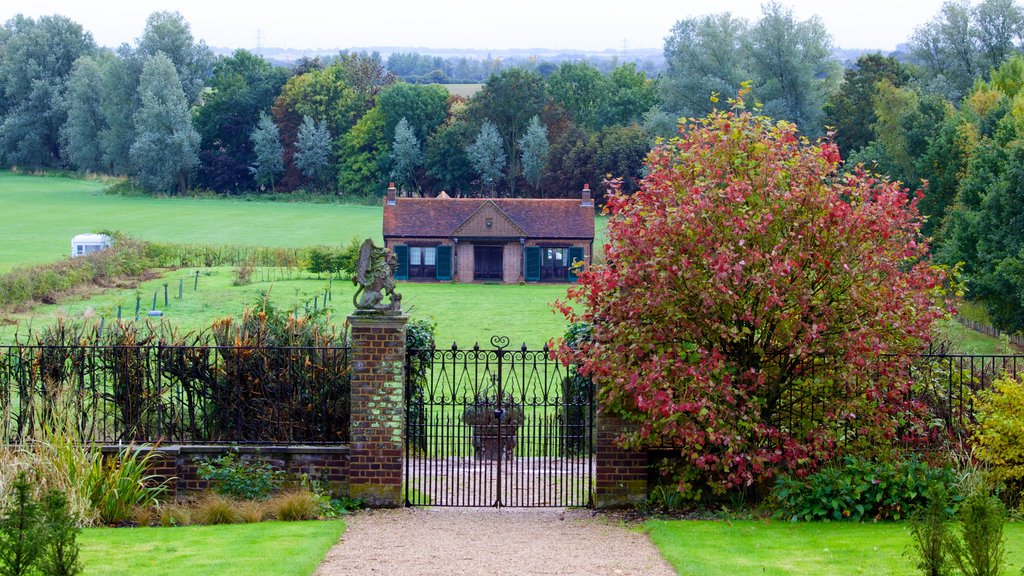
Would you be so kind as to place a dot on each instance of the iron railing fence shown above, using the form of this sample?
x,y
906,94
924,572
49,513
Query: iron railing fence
x,y
175,394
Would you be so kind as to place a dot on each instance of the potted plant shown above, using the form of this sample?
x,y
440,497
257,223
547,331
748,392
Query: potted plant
x,y
495,428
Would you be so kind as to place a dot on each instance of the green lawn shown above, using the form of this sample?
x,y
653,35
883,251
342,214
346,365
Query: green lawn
x,y
465,313
265,549
40,215
749,548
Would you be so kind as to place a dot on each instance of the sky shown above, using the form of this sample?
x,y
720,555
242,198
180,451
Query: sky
x,y
551,24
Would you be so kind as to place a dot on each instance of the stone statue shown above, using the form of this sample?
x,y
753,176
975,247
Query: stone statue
x,y
375,276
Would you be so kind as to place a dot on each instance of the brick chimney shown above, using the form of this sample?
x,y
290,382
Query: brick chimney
x,y
392,193
587,200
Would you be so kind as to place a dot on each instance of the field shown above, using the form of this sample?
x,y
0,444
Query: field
x,y
464,90
235,550
40,215
749,548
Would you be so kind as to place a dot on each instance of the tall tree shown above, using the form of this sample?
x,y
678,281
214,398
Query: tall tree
x,y
999,26
487,155
243,86
170,33
268,154
423,107
166,148
534,145
582,90
447,164
704,55
80,135
313,151
851,109
406,156
363,151
631,95
948,49
508,100
793,66
36,60
119,101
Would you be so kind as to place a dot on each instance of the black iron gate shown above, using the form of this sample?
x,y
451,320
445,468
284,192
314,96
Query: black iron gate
x,y
497,427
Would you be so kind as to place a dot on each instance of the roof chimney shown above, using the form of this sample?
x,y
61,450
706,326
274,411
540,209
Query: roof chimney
x,y
391,194
587,201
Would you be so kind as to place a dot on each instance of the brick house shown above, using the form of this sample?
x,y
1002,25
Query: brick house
x,y
489,239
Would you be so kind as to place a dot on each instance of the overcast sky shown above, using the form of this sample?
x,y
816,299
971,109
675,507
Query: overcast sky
x,y
590,25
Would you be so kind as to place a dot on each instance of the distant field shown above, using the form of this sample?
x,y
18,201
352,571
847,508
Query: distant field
x,y
39,215
464,313
465,90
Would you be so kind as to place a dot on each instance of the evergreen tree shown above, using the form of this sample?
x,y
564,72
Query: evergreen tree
x,y
534,145
20,543
487,156
266,145
406,155
60,552
313,150
165,151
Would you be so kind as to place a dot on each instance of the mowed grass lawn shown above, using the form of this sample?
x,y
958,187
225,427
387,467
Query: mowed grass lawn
x,y
755,548
264,549
464,313
40,214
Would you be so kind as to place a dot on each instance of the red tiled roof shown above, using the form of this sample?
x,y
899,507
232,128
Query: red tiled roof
x,y
439,217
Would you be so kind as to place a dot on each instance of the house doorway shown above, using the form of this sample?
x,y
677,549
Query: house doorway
x,y
488,262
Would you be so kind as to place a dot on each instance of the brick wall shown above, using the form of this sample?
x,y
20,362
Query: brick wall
x,y
179,463
512,263
620,475
377,434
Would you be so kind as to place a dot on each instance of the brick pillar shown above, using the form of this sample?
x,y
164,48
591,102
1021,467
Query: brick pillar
x,y
377,433
620,475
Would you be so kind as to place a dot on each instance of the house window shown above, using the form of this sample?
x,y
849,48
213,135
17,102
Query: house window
x,y
422,261
554,264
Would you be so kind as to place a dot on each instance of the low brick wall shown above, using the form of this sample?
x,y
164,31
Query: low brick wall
x,y
179,463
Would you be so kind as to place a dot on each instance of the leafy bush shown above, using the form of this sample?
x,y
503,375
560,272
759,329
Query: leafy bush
x,y
999,433
981,550
252,479
932,539
860,489
60,547
212,508
119,483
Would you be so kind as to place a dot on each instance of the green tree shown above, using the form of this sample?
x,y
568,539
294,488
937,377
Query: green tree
x,y
793,67
80,135
947,48
406,156
851,109
313,151
243,86
423,106
999,26
166,148
20,542
534,145
704,56
119,102
582,90
508,100
619,152
631,95
487,155
446,161
36,59
59,554
268,155
170,33
362,154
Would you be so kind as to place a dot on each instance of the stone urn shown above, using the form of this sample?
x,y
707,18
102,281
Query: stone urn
x,y
495,428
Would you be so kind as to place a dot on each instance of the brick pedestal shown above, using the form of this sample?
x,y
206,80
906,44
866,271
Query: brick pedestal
x,y
620,475
377,438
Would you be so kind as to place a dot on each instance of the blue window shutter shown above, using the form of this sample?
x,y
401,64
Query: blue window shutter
x,y
532,263
402,253
444,263
575,255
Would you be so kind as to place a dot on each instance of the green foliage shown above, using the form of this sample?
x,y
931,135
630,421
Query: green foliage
x,y
932,537
80,134
665,499
999,433
166,148
851,109
268,154
858,489
296,505
406,156
487,156
253,479
21,531
981,549
534,146
582,90
212,509
313,151
447,164
362,153
423,107
60,555
118,483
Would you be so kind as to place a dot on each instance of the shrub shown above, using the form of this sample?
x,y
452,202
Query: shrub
x,y
243,274
145,515
60,547
212,508
252,479
251,511
118,484
757,307
981,551
999,433
175,515
932,539
295,505
21,533
860,489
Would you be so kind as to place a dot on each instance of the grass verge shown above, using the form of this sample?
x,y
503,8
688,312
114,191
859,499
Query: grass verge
x,y
265,549
748,548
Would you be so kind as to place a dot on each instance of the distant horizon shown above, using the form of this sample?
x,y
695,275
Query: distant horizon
x,y
594,26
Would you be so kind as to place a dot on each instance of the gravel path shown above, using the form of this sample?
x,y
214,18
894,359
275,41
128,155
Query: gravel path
x,y
474,541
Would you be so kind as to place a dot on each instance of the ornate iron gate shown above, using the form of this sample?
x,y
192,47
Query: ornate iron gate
x,y
497,427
